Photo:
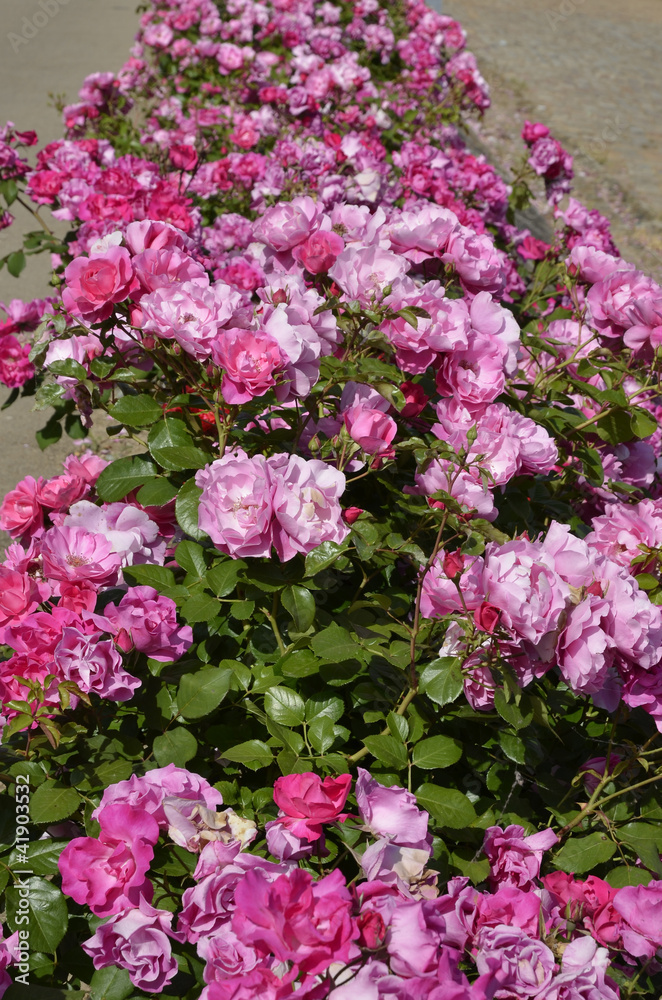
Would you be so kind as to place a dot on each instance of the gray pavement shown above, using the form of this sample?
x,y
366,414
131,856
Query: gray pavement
x,y
46,47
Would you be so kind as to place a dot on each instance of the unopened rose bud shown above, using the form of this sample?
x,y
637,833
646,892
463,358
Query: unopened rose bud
x,y
351,514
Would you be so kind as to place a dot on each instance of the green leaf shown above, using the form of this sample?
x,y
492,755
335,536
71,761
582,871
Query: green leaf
x,y
513,747
186,509
437,751
321,733
441,680
251,752
320,705
156,493
242,610
46,912
176,746
324,556
52,802
515,715
448,806
124,475
642,423
136,411
39,856
222,578
582,854
159,577
200,693
191,557
387,750
181,459
619,877
111,983
334,644
645,839
615,427
301,605
16,263
285,706
69,368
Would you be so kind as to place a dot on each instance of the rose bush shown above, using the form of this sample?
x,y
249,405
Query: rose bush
x,y
391,513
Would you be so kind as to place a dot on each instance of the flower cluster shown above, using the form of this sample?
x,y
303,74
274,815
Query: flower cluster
x,y
273,927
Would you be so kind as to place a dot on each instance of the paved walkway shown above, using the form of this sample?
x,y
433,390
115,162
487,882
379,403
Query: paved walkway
x,y
592,71
67,41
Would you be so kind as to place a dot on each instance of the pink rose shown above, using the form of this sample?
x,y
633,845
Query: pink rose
x,y
158,268
514,858
476,260
15,365
296,919
95,283
475,375
319,251
108,873
147,621
308,802
21,513
235,507
155,235
19,596
288,223
74,554
521,965
533,131
137,940
391,812
364,272
94,665
61,492
373,430
252,362
148,791
189,313
640,906
306,506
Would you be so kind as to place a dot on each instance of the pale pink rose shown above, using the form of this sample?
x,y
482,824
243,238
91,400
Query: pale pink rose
x,y
447,329
229,57
364,272
87,466
77,555
626,532
137,939
521,965
584,650
158,268
130,531
94,284
595,265
491,318
252,364
300,348
476,260
236,504
467,486
190,314
391,812
422,233
306,506
441,596
147,621
288,223
148,791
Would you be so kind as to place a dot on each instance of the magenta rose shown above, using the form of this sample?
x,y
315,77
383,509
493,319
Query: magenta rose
x,y
137,940
15,365
520,965
640,906
94,665
308,802
147,621
94,284
108,873
296,919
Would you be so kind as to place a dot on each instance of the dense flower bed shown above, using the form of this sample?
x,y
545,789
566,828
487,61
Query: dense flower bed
x,y
395,499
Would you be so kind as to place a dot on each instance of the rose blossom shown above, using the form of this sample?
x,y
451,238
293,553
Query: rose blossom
x,y
94,284
521,965
236,504
109,873
297,919
319,251
251,361
147,792
515,859
21,513
391,812
288,223
307,802
371,429
74,554
137,940
94,665
147,621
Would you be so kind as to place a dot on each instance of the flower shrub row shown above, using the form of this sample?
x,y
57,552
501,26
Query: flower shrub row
x,y
394,499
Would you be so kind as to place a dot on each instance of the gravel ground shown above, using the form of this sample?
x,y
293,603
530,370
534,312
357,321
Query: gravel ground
x,y
590,69
76,38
